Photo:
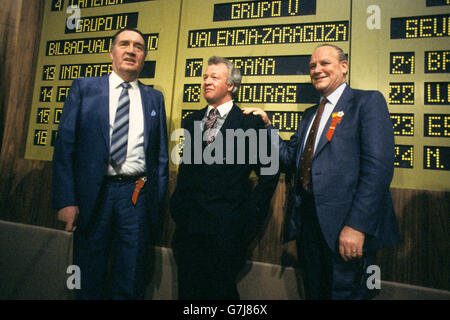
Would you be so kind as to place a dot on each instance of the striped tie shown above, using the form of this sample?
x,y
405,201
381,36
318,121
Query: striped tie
x,y
211,125
119,138
308,153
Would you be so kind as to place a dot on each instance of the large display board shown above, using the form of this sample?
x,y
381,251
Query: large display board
x,y
398,47
407,58
76,41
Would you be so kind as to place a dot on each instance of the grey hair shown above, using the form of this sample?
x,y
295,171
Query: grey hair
x,y
342,56
234,74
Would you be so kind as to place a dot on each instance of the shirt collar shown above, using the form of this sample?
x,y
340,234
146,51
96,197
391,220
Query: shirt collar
x,y
333,97
223,109
115,81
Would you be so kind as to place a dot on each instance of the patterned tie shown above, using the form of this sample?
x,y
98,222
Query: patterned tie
x,y
308,153
119,138
211,125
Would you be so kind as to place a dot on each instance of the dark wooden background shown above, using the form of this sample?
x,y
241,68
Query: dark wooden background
x,y
423,216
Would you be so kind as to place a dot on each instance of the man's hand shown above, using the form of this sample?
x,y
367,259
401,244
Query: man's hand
x,y
351,243
258,112
69,215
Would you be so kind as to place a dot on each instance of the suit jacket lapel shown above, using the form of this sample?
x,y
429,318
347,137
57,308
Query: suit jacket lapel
x,y
233,119
344,102
146,111
103,88
198,115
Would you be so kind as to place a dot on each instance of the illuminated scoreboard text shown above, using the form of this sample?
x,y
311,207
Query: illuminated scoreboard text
x,y
45,94
67,47
436,158
43,115
263,93
437,93
432,3
94,3
437,61
285,121
103,23
401,93
272,65
403,124
404,156
193,68
277,93
436,125
258,66
420,27
41,137
269,34
49,72
61,93
57,5
73,71
402,63
263,9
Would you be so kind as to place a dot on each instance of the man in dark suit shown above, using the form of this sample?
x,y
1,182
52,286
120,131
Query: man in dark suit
x,y
110,170
343,156
214,207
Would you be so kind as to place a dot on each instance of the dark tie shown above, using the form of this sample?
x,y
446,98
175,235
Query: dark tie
x,y
119,138
211,125
308,153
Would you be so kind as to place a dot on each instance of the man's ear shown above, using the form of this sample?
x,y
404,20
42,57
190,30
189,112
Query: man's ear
x,y
344,67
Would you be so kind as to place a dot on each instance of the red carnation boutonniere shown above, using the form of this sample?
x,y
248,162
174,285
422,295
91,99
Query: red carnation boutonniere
x,y
336,117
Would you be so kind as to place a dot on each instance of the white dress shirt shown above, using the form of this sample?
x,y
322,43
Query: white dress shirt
x,y
135,160
333,99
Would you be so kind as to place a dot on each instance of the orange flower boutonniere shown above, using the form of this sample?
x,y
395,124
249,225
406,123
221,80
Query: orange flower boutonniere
x,y
336,117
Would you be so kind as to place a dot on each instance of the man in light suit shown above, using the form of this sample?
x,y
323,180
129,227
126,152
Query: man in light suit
x,y
110,170
215,209
343,156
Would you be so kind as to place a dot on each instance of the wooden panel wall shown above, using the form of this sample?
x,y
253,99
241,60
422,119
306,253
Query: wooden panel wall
x,y
25,184
421,259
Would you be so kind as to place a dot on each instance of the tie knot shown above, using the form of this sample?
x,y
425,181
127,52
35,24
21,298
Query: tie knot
x,y
125,85
212,112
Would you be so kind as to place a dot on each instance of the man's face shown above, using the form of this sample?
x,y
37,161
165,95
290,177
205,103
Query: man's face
x,y
128,55
215,87
326,71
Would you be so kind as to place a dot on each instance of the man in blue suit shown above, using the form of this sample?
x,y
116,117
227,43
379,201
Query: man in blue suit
x,y
343,157
110,171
